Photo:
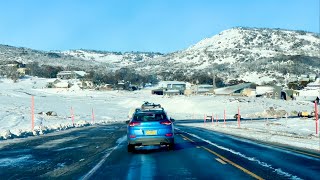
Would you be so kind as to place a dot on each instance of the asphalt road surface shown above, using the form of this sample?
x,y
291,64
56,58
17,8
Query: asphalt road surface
x,y
100,152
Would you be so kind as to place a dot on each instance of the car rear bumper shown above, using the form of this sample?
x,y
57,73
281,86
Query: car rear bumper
x,y
146,141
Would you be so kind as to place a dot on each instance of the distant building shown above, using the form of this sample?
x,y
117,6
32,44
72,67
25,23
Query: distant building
x,y
173,87
249,92
273,92
289,94
51,83
303,76
87,84
105,87
200,89
232,90
312,77
23,71
71,74
170,88
58,83
314,85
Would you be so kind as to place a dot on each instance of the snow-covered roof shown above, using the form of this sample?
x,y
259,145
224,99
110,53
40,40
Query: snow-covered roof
x,y
173,91
205,86
80,73
231,89
51,80
64,72
315,84
62,84
172,82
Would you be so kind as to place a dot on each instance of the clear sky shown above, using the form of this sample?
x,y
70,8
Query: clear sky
x,y
142,25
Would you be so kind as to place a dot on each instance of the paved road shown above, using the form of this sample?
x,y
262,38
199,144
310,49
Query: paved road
x,y
100,153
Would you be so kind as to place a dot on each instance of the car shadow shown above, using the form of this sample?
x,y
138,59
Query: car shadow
x,y
165,149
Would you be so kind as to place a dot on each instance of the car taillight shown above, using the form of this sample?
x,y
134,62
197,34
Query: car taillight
x,y
166,122
169,134
132,136
134,124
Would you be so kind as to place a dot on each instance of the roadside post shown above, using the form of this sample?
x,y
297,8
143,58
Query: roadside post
x,y
204,120
72,116
316,115
32,113
238,117
224,117
92,116
217,121
212,119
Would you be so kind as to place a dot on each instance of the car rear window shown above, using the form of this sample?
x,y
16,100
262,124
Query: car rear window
x,y
149,117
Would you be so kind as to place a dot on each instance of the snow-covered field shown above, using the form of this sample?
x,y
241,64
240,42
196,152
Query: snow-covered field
x,y
264,124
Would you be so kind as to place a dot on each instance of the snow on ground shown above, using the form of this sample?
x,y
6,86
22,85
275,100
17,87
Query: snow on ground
x,y
266,120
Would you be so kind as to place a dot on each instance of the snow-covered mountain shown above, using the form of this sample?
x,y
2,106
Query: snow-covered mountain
x,y
74,58
241,53
251,54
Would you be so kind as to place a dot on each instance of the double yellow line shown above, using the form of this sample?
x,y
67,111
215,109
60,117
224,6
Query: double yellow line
x,y
227,160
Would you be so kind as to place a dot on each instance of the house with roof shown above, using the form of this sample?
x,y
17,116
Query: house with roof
x,y
171,88
200,89
232,90
58,83
273,92
71,74
312,77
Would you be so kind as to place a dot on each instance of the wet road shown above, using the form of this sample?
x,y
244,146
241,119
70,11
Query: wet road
x,y
100,153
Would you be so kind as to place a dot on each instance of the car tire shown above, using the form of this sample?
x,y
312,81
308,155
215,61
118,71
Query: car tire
x,y
130,148
171,146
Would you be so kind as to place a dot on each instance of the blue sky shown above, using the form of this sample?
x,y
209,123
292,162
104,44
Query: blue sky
x,y
142,25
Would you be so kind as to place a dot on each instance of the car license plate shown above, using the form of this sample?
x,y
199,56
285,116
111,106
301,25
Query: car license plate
x,y
151,132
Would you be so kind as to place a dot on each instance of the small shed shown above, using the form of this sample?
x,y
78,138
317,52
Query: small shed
x,y
273,92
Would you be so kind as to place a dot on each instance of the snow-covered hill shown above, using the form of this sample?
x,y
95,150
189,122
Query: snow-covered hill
x,y
239,53
127,58
252,54
74,58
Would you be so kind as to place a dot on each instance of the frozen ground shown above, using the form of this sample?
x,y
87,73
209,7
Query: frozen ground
x,y
268,121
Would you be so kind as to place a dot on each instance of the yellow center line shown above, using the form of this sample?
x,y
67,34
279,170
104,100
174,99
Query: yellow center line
x,y
228,161
184,137
233,164
220,161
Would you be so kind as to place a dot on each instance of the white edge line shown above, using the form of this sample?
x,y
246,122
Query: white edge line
x,y
279,171
96,167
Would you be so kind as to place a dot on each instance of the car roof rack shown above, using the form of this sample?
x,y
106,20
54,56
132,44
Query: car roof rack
x,y
151,106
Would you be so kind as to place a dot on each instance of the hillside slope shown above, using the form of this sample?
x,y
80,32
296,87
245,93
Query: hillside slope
x,y
257,55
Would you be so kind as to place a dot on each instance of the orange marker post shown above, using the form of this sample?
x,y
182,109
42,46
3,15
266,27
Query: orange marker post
x,y
238,117
72,116
224,117
92,116
32,113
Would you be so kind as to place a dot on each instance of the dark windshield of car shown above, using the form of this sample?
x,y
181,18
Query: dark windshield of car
x,y
149,117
